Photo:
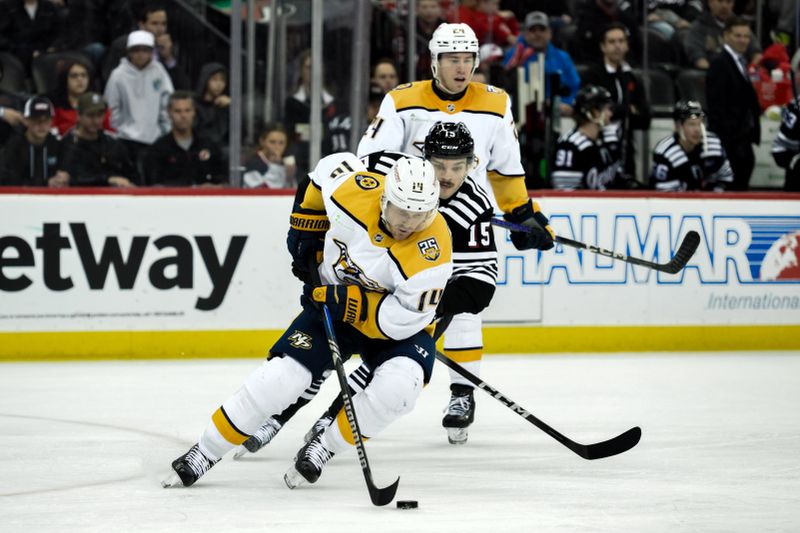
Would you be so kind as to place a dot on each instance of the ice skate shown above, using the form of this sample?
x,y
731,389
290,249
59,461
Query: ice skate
x,y
318,427
460,413
260,438
188,468
308,463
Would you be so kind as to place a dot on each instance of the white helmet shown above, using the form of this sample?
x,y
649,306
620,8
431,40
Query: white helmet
x,y
412,185
453,38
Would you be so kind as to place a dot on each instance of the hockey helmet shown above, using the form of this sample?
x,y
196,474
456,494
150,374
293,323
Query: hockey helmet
x,y
448,38
413,188
449,140
686,109
591,98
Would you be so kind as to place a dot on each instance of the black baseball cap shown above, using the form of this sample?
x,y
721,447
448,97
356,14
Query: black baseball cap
x,y
38,106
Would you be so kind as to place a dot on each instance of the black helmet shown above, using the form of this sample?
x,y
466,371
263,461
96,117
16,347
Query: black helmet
x,y
686,109
450,140
591,98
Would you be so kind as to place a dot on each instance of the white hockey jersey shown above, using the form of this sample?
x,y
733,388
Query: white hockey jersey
x,y
404,279
408,112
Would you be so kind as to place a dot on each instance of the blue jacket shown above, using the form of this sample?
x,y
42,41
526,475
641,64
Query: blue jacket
x,y
556,61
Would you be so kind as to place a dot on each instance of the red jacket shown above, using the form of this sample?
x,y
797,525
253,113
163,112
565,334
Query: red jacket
x,y
66,118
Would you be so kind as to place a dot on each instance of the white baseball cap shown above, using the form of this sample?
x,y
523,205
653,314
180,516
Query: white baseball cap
x,y
141,38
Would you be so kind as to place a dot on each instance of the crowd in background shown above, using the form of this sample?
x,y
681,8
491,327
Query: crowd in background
x,y
94,92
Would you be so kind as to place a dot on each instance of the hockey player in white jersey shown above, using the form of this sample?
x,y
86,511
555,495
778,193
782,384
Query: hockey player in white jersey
x,y
408,112
692,158
386,259
468,211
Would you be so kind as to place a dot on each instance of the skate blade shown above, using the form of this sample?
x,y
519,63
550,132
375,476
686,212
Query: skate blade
x,y
457,435
293,478
241,451
173,480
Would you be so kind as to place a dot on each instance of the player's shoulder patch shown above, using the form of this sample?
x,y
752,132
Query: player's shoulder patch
x,y
426,249
366,181
429,249
415,94
487,99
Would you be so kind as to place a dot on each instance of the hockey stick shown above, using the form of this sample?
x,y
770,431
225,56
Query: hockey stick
x,y
379,496
619,444
685,250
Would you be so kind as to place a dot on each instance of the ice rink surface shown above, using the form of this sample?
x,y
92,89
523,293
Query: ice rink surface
x,y
84,445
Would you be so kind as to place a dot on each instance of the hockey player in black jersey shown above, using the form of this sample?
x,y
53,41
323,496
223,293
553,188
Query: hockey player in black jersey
x,y
468,211
692,158
588,157
786,146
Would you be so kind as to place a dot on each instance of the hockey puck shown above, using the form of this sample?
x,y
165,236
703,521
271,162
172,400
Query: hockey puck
x,y
407,504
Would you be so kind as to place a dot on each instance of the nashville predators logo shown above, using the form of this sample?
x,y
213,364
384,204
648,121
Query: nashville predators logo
x,y
349,273
366,182
298,339
429,249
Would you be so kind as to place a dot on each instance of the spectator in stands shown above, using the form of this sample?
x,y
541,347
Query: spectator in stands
x,y
593,16
298,112
704,40
153,18
269,167
91,24
384,74
429,16
28,28
786,146
213,105
631,108
137,94
692,158
183,158
91,156
74,80
668,16
34,158
535,40
733,108
491,25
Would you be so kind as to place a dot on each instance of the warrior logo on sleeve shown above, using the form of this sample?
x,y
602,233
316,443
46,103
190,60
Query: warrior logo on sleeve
x,y
349,272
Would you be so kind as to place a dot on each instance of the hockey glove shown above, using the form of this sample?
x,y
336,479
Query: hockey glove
x,y
539,236
306,240
346,303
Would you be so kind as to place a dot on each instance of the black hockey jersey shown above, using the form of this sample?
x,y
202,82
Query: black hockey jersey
x,y
468,214
787,144
699,170
582,163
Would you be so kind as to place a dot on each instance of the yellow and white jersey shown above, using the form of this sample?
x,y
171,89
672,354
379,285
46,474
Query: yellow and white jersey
x,y
408,112
404,279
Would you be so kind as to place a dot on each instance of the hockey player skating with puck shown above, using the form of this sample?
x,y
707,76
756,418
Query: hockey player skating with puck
x,y
468,211
588,157
386,259
408,112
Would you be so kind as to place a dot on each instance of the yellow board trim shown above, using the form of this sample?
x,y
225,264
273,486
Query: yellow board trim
x,y
226,429
62,346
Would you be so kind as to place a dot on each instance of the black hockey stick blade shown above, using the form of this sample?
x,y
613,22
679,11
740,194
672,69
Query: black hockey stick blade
x,y
615,446
381,496
675,265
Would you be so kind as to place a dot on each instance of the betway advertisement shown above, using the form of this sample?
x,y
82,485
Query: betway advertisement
x,y
180,262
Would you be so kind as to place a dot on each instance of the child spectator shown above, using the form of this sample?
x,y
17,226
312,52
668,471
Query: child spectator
x,y
213,105
268,167
73,81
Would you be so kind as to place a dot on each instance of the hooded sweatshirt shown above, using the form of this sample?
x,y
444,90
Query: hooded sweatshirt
x,y
212,121
138,101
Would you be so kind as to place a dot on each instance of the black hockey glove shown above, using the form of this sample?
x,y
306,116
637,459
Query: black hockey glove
x,y
347,303
305,240
540,236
